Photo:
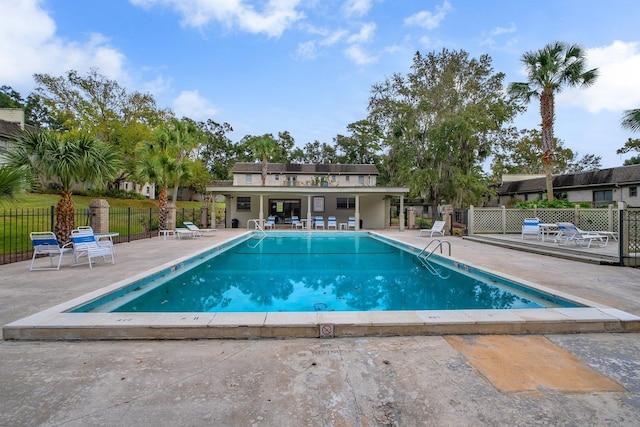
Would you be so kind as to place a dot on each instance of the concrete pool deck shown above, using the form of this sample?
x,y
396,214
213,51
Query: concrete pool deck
x,y
412,380
56,323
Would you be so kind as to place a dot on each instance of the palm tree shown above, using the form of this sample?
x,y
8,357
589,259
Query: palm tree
x,y
549,70
264,148
12,182
64,160
631,120
162,160
181,138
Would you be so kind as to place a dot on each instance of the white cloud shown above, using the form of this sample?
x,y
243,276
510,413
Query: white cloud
x,y
365,35
29,45
306,50
273,20
359,56
190,104
618,84
357,7
503,30
427,19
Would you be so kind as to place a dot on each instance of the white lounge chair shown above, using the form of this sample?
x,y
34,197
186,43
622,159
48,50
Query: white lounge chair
x,y
351,223
570,234
197,230
296,223
437,228
332,223
531,227
85,244
318,222
46,243
271,223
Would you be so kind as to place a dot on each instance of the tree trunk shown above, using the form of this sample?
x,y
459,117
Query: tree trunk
x,y
65,221
265,162
548,146
162,208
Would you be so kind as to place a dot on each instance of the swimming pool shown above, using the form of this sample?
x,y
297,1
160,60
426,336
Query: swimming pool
x,y
305,272
64,322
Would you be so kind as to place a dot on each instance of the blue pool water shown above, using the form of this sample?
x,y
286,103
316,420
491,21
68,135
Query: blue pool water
x,y
293,272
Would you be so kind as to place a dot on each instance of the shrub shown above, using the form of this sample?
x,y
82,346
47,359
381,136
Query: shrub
x,y
556,204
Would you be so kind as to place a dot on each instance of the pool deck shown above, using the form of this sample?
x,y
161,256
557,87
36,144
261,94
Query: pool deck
x,y
351,381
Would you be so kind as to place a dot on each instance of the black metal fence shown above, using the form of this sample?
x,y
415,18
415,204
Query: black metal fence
x,y
130,223
630,237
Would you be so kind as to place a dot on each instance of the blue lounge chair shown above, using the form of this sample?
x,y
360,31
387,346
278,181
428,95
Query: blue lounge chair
x,y
46,243
85,244
531,227
197,231
296,223
570,234
318,222
332,223
271,223
351,223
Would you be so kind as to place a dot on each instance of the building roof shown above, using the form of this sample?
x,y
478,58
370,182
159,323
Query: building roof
x,y
307,169
622,175
8,129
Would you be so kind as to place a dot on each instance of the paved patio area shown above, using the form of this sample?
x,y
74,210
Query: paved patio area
x,y
409,381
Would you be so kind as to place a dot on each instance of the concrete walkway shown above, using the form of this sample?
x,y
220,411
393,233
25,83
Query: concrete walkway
x,y
404,381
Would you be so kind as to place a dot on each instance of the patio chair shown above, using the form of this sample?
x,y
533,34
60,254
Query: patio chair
x,y
85,244
318,222
296,223
531,227
332,223
184,232
436,228
104,240
197,230
351,223
271,223
46,243
570,234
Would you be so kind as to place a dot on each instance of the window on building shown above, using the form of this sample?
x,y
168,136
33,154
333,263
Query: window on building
x,y
361,180
633,191
247,178
333,178
243,203
602,197
277,177
346,178
346,203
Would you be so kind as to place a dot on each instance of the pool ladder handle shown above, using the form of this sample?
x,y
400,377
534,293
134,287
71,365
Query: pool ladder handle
x,y
424,260
257,225
439,245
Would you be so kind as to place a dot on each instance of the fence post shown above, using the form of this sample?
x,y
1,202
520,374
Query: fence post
x,y
470,220
610,217
129,224
576,216
53,217
504,219
99,219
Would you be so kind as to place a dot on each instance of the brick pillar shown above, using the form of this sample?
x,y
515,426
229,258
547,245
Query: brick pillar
x,y
447,216
99,215
204,217
171,216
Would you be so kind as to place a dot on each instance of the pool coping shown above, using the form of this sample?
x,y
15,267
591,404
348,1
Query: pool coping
x,y
56,324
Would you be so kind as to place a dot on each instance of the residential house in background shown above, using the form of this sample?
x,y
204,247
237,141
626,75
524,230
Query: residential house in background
x,y
307,191
600,188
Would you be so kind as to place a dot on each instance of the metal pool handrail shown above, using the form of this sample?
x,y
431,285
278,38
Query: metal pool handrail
x,y
257,225
439,245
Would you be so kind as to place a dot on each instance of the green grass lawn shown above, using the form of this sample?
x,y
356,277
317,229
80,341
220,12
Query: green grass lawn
x,y
32,212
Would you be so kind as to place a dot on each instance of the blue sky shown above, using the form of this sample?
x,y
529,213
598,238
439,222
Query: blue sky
x,y
266,66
